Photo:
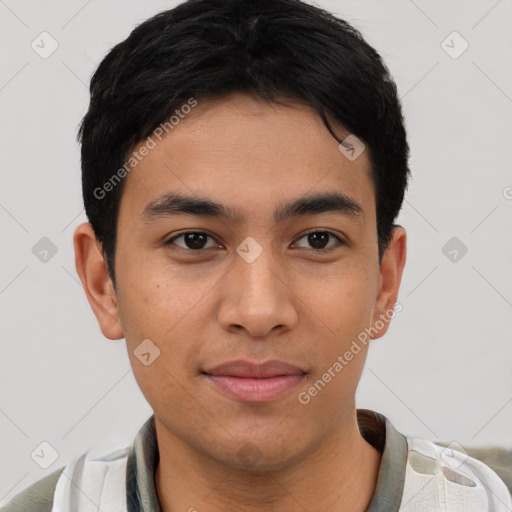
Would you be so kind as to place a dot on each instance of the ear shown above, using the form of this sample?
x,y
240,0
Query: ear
x,y
92,270
390,276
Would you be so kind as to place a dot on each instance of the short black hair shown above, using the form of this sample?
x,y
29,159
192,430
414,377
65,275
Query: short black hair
x,y
205,49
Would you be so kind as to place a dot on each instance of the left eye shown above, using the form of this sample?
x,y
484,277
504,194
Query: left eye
x,y
319,239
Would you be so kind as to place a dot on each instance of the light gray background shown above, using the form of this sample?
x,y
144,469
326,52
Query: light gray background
x,y
443,371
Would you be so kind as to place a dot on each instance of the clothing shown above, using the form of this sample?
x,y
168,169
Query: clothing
x,y
415,475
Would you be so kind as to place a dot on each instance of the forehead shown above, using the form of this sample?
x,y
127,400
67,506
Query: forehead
x,y
248,153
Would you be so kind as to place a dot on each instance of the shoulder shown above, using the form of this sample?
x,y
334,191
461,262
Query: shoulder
x,y
36,498
101,472
497,458
439,475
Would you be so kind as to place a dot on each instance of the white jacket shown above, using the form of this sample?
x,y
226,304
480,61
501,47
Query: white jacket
x,y
437,479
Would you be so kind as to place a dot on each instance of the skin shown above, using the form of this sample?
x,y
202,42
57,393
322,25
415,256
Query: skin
x,y
296,303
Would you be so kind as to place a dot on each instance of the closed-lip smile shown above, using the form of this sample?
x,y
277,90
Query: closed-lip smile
x,y
247,381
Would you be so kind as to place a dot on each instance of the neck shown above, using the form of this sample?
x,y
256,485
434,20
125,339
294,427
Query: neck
x,y
339,475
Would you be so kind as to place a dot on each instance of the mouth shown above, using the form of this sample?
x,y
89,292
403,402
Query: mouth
x,y
255,383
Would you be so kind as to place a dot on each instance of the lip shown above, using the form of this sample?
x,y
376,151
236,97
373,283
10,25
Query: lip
x,y
255,382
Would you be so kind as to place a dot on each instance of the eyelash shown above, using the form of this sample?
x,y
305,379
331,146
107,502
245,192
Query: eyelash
x,y
196,251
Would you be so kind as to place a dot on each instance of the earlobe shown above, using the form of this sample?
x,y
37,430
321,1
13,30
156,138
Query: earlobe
x,y
391,269
92,270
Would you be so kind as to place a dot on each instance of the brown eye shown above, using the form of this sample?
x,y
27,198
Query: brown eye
x,y
318,240
192,240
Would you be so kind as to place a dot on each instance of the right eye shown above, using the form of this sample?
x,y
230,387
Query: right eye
x,y
193,241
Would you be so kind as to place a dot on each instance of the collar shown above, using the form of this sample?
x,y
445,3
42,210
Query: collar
x,y
375,428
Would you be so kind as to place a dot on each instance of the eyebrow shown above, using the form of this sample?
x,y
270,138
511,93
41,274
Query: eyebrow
x,y
174,203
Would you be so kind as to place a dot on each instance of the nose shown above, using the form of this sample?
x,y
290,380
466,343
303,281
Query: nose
x,y
257,298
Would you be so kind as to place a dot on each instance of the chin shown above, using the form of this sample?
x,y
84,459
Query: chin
x,y
260,456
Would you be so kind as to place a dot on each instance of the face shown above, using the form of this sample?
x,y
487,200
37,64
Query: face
x,y
248,281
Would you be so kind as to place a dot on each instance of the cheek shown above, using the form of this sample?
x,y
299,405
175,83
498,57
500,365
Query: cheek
x,y
153,319
159,339
154,304
345,312
342,302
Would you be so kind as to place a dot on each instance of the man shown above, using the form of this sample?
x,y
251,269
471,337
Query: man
x,y
243,164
